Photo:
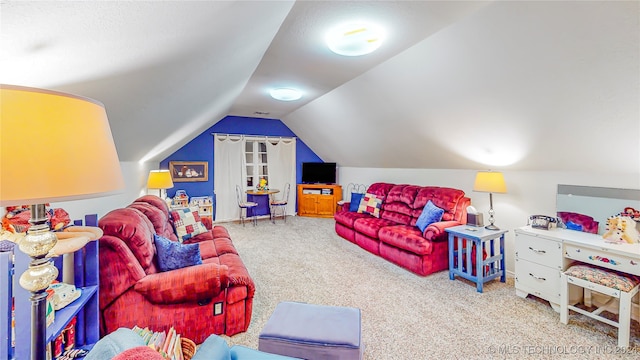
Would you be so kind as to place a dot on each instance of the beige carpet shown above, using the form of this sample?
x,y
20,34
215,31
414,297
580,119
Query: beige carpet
x,y
405,316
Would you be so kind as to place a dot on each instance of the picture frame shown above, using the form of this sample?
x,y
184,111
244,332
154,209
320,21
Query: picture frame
x,y
189,171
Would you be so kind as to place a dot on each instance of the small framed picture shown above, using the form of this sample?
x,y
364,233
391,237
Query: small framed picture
x,y
187,171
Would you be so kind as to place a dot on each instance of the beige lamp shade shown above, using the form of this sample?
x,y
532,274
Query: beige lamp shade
x,y
54,147
490,181
159,179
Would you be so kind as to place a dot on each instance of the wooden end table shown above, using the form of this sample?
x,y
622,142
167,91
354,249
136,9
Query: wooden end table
x,y
476,241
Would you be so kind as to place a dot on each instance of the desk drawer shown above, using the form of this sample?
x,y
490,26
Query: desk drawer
x,y
603,258
538,250
538,280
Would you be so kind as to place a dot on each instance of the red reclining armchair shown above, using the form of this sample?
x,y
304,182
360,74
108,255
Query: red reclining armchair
x,y
214,297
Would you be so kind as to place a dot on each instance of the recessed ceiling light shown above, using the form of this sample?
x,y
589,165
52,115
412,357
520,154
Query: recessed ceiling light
x,y
285,94
354,39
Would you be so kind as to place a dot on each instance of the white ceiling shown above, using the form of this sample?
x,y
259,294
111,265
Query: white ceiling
x,y
458,85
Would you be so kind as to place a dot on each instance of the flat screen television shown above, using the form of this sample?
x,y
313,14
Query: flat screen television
x,y
318,173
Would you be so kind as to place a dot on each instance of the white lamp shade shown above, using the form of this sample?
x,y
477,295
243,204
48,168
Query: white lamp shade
x,y
159,179
490,181
54,147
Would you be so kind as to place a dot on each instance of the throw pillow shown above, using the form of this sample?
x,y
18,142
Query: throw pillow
x,y
430,214
370,204
573,226
187,223
355,201
174,255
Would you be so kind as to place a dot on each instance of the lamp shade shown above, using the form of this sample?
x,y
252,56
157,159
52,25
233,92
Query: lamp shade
x,y
159,179
490,181
54,147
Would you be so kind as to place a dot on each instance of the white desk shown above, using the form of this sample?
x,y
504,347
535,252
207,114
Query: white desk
x,y
541,255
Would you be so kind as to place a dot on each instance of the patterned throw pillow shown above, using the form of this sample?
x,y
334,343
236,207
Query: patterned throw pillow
x,y
370,204
187,223
174,255
430,214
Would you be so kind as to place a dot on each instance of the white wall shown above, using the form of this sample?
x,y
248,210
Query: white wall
x,y
528,192
135,179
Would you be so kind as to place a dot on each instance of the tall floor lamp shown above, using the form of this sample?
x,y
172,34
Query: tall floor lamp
x,y
491,182
54,147
159,179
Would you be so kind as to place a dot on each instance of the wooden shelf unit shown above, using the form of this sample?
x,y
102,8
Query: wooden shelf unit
x,y
318,200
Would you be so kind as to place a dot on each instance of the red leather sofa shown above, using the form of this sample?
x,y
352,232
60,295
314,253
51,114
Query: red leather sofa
x,y
394,236
214,297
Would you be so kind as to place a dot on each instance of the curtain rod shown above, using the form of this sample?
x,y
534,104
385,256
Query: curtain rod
x,y
253,137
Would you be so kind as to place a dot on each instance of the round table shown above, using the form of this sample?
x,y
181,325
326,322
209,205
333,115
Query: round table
x,y
261,197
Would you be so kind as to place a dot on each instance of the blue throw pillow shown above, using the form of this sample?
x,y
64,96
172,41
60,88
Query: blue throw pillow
x,y
355,201
174,255
573,226
430,214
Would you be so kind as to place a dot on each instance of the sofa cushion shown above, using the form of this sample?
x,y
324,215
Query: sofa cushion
x,y
444,198
158,218
430,214
187,223
396,211
405,237
380,189
135,230
347,218
174,255
355,201
370,204
370,226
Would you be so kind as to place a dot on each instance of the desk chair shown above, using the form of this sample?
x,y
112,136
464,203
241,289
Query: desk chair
x,y
608,282
245,205
280,204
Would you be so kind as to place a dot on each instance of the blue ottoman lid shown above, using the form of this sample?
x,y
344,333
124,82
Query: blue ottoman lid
x,y
314,325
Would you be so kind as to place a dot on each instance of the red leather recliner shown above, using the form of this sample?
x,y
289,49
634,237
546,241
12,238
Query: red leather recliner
x,y
215,297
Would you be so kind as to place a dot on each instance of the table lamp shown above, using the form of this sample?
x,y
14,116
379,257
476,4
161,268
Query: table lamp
x,y
159,179
53,147
491,182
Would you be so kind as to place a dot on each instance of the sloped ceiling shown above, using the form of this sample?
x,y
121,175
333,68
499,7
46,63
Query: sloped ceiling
x,y
457,85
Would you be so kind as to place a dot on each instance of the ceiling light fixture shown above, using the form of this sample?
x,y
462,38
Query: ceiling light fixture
x,y
285,94
354,39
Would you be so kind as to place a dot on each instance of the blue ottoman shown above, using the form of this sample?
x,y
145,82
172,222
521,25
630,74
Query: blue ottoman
x,y
313,332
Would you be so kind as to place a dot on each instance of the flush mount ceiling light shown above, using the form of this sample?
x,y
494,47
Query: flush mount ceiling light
x,y
354,39
285,94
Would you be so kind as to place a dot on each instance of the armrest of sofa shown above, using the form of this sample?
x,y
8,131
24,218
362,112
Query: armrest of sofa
x,y
437,232
213,348
191,283
123,272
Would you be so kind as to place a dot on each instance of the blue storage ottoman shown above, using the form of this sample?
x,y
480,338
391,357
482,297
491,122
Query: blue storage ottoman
x,y
313,332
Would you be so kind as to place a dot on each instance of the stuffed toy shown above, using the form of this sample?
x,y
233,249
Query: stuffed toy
x,y
15,224
16,220
632,213
621,229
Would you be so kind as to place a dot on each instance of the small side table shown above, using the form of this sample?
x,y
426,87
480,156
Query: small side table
x,y
475,242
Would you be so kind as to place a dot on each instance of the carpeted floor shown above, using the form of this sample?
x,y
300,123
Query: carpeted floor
x,y
405,316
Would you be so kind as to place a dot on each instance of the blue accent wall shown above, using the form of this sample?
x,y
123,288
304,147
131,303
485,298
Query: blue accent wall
x,y
201,149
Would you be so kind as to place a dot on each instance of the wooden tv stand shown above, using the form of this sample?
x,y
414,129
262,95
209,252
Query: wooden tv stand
x,y
318,200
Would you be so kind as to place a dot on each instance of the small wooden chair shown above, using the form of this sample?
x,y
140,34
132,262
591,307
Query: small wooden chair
x,y
608,282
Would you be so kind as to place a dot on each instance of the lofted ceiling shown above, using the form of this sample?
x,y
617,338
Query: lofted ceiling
x,y
530,85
